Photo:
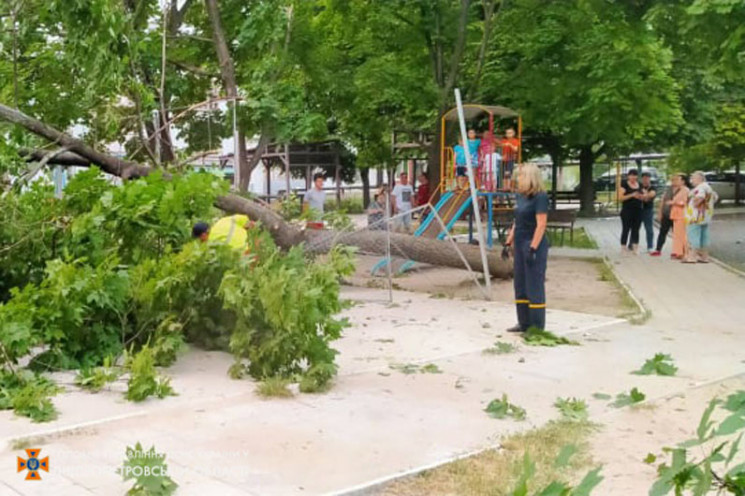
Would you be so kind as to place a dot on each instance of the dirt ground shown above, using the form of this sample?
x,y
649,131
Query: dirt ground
x,y
573,285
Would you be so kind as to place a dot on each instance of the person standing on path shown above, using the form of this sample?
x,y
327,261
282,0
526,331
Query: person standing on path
x,y
527,237
698,214
315,198
664,217
630,195
403,193
649,193
677,215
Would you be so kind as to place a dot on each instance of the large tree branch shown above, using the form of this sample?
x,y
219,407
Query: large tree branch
x,y
191,68
112,165
176,16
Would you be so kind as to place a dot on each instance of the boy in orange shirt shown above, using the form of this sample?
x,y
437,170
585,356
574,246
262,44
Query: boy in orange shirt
x,y
510,148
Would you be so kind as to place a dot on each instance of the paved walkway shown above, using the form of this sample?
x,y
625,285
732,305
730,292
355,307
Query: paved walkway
x,y
702,297
378,422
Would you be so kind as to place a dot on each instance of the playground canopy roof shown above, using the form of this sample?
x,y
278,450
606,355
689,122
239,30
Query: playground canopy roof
x,y
472,110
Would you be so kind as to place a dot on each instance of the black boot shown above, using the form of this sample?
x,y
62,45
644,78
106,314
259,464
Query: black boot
x,y
516,328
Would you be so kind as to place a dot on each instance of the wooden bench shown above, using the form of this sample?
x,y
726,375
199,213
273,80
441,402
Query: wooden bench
x,y
503,218
557,220
562,220
566,196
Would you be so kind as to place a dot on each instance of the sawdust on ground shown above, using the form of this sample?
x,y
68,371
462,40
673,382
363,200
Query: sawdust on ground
x,y
573,285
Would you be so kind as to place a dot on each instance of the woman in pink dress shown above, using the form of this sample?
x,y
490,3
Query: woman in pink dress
x,y
677,215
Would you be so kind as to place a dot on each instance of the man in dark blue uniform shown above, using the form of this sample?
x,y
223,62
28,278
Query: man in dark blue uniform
x,y
528,239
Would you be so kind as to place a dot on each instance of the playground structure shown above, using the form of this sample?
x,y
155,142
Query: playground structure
x,y
490,169
489,172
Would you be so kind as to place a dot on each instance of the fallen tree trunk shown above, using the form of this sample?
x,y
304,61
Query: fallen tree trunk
x,y
429,251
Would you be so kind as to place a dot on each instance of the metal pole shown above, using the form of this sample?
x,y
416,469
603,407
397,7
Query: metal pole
x,y
388,245
474,196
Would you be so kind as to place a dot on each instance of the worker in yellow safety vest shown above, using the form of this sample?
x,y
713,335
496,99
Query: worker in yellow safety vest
x,y
231,230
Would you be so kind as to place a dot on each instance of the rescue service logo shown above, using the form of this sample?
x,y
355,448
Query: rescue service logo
x,y
33,464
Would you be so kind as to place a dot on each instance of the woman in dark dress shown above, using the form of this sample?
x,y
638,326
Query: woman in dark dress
x,y
528,239
630,195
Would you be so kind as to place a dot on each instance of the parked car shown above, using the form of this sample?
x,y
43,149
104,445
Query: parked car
x,y
723,183
607,181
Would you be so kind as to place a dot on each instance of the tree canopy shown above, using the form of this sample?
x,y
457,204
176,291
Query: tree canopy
x,y
590,77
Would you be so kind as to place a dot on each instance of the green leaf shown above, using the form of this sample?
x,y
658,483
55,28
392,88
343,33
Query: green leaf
x,y
734,447
735,402
539,337
527,473
555,489
650,458
566,453
660,364
572,408
730,425
625,399
705,424
589,482
502,408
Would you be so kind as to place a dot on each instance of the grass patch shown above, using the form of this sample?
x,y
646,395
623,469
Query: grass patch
x,y
274,387
497,472
641,318
580,239
500,348
539,337
629,309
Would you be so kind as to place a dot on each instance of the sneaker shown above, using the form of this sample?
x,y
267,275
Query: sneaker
x,y
516,328
655,253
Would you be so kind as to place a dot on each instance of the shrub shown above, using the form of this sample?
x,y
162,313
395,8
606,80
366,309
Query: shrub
x,y
28,395
144,380
285,309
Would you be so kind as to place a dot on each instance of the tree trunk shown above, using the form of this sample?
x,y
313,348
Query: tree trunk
x,y
555,166
422,250
254,160
738,191
227,72
586,185
365,177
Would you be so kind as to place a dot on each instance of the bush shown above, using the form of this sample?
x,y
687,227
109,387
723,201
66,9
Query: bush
x,y
110,268
77,310
284,311
144,380
28,395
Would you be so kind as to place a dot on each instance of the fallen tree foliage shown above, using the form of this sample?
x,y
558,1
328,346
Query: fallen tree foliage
x,y
422,250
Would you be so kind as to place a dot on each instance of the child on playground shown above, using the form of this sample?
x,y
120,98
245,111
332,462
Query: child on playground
x,y
460,157
510,149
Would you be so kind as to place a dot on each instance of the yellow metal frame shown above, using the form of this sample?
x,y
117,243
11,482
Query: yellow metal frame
x,y
447,155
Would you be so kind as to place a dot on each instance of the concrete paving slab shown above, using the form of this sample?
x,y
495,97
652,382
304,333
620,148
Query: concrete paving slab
x,y
377,421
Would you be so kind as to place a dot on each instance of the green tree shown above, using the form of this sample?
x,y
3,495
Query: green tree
x,y
589,77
